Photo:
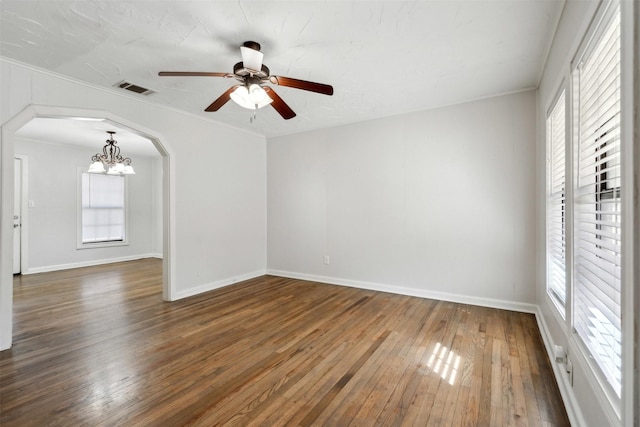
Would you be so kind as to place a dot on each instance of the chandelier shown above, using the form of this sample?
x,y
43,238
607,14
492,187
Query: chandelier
x,y
111,158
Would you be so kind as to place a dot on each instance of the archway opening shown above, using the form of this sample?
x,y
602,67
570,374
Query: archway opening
x,y
10,136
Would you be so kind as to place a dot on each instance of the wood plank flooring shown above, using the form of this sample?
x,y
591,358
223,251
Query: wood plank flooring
x,y
98,347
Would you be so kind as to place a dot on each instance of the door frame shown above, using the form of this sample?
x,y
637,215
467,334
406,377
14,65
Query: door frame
x,y
24,212
7,155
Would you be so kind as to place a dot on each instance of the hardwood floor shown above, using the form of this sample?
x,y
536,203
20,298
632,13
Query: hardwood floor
x,y
98,347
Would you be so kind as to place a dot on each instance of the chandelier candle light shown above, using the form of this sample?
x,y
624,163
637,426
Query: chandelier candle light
x,y
111,158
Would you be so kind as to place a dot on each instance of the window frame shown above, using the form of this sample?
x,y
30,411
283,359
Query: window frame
x,y
590,42
103,244
560,100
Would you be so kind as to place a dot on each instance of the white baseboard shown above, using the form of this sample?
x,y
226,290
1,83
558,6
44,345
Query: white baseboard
x,y
91,263
422,293
566,390
217,284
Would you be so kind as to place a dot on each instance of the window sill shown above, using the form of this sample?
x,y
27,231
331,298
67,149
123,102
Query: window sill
x,y
102,244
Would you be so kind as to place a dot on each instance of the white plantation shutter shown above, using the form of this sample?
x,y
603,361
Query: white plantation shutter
x,y
103,215
556,212
597,214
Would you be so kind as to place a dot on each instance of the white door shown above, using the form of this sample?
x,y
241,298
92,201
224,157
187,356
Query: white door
x,y
17,213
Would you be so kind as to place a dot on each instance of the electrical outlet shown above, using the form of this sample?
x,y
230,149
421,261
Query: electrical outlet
x,y
560,353
569,369
326,260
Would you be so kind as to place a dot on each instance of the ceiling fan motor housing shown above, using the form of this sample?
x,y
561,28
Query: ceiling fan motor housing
x,y
240,71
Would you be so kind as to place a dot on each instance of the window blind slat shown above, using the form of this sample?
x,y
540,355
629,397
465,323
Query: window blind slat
x,y
598,87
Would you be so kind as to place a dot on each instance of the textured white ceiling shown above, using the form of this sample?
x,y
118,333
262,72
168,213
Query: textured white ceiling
x,y
382,57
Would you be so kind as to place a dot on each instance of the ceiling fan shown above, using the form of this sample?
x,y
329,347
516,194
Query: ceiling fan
x,y
252,74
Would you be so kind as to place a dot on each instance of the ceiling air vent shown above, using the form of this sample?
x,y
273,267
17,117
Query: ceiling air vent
x,y
134,88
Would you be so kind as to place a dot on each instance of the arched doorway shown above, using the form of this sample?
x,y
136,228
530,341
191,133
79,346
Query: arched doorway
x,y
7,152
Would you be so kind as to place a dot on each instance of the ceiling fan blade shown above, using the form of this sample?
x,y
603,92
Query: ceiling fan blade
x,y
281,107
302,84
194,73
222,99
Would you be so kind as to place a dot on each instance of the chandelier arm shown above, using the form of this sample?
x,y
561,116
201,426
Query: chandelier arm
x,y
106,154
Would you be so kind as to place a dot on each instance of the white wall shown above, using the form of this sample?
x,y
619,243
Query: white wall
x,y
436,203
51,224
156,200
584,398
218,189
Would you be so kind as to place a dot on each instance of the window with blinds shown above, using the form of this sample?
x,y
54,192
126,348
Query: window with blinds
x,y
556,212
597,214
103,208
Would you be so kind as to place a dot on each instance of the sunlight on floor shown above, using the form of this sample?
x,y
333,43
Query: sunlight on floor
x,y
444,363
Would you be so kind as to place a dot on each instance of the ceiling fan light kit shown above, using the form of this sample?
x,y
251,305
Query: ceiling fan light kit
x,y
253,98
252,74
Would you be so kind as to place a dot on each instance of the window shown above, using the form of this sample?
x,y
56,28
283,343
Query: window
x,y
597,213
103,215
556,209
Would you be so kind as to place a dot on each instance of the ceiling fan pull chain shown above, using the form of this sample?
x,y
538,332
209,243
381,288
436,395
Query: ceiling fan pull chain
x,y
253,115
